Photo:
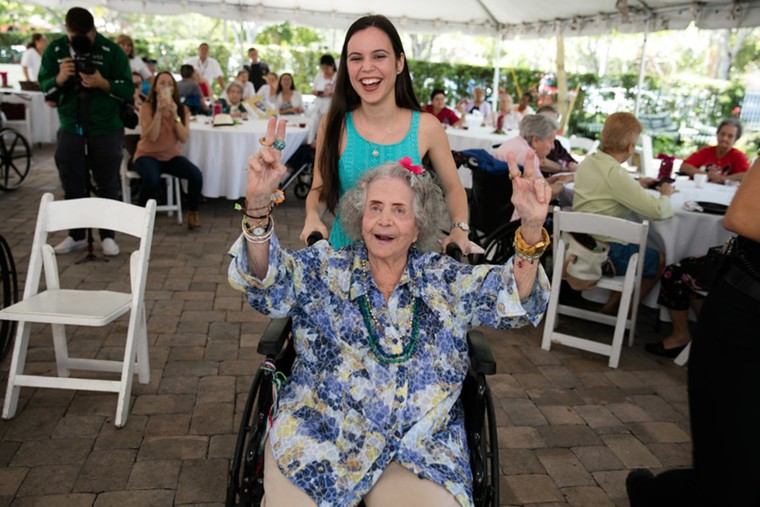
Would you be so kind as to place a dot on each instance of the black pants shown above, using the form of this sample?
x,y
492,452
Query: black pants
x,y
76,157
724,403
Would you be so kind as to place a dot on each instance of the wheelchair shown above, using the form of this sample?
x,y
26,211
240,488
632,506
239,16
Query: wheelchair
x,y
303,161
9,293
245,485
15,151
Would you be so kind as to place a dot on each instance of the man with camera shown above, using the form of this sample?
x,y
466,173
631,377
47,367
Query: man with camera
x,y
88,78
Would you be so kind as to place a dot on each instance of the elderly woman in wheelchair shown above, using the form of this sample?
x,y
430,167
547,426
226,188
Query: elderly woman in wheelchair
x,y
371,409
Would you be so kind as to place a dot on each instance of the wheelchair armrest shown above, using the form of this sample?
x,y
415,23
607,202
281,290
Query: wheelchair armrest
x,y
481,357
274,336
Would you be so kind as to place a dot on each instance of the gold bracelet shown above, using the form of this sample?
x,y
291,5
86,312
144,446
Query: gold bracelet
x,y
527,250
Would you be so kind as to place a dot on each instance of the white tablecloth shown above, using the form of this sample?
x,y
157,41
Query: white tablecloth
x,y
476,138
44,118
222,153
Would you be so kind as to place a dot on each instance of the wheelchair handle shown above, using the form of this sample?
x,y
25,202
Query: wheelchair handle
x,y
313,238
453,251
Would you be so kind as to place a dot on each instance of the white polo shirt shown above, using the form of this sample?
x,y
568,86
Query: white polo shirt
x,y
209,70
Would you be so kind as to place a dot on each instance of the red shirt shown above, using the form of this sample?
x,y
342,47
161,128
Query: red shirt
x,y
731,163
445,115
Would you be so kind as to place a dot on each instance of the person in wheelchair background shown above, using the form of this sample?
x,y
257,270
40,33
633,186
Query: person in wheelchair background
x,y
371,410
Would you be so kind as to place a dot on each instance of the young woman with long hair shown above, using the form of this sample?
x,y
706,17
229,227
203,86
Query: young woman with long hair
x,y
374,117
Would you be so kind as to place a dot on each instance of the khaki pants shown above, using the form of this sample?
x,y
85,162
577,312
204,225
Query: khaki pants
x,y
397,487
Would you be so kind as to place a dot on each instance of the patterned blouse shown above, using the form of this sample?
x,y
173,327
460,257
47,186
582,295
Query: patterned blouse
x,y
343,416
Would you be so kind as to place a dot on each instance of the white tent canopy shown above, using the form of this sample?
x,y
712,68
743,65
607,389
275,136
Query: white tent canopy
x,y
511,19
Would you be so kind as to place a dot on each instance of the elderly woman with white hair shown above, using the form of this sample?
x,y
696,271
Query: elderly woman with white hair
x,y
232,102
371,410
537,133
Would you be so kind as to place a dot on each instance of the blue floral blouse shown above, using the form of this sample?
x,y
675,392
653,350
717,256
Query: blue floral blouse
x,y
343,416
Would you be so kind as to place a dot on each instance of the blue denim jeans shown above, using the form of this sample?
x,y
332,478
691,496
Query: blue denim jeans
x,y
150,171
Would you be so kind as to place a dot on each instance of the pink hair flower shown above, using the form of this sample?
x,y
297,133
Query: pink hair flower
x,y
407,163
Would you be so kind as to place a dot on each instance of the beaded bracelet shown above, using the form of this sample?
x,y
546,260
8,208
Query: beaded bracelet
x,y
277,197
263,236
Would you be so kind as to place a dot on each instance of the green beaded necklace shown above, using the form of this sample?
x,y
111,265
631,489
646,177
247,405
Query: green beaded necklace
x,y
374,344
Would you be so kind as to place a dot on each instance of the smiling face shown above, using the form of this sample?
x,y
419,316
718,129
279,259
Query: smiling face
x,y
272,80
372,66
164,81
127,47
286,82
389,226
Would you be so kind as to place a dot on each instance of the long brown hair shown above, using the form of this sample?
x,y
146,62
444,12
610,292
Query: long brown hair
x,y
346,99
153,100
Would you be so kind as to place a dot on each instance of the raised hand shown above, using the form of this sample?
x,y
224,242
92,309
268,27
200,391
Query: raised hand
x,y
265,168
530,193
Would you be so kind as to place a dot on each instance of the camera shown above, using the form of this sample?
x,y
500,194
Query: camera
x,y
83,63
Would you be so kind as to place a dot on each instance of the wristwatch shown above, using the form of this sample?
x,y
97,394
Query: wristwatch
x,y
462,225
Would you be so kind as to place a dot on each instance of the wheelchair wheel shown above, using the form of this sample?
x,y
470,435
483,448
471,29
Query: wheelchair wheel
x,y
497,245
245,486
9,293
15,159
482,439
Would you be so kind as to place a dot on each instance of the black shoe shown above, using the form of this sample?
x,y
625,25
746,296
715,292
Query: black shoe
x,y
659,350
636,486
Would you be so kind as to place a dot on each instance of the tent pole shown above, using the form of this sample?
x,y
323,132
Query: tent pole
x,y
642,67
497,59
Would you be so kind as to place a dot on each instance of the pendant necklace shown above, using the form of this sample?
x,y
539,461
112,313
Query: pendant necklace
x,y
375,146
370,319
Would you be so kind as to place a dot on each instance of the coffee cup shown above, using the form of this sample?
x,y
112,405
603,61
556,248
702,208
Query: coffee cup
x,y
700,179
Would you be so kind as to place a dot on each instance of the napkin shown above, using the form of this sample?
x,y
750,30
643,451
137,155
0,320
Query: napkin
x,y
692,206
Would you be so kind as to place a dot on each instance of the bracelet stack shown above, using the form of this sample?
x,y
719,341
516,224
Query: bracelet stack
x,y
259,232
530,253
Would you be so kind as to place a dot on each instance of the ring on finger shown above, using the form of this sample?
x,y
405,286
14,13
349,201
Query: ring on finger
x,y
263,142
278,144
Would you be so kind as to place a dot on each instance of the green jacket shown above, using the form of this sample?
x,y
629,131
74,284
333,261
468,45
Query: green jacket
x,y
103,107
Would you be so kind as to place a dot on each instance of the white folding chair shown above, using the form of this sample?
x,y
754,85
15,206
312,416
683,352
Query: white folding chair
x,y
173,189
628,285
583,143
648,165
23,125
60,307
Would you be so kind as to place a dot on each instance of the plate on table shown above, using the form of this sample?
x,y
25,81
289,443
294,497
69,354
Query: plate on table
x,y
713,207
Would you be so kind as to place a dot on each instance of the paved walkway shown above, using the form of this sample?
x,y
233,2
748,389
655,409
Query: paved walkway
x,y
570,428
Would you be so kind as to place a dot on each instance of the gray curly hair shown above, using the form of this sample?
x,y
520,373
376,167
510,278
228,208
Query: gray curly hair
x,y
537,125
429,206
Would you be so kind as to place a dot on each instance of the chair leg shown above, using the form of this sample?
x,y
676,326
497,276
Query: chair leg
x,y
61,349
127,373
178,198
143,363
18,361
169,194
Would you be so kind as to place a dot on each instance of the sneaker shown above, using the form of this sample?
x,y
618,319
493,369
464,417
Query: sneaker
x,y
69,245
110,247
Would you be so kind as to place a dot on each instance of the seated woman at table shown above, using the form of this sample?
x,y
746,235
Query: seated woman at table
x,y
723,162
679,290
233,103
288,100
604,187
371,409
164,124
437,108
268,91
558,159
505,117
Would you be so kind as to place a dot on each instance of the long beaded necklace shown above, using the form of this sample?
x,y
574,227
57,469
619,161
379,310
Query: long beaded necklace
x,y
374,345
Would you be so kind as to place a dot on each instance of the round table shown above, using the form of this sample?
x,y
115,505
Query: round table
x,y
222,153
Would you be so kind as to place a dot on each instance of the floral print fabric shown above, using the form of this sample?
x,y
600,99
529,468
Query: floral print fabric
x,y
343,416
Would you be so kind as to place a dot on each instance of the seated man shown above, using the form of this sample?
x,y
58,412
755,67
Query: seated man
x,y
604,187
722,162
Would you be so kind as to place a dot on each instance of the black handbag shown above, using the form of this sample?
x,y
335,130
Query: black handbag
x,y
716,262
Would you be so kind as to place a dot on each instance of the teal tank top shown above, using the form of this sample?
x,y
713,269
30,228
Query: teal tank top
x,y
358,158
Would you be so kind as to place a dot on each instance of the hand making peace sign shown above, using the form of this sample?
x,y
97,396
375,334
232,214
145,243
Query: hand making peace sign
x,y
530,191
265,168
